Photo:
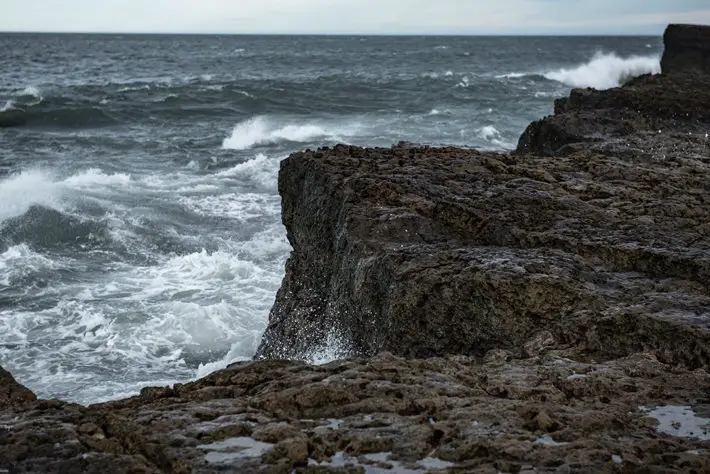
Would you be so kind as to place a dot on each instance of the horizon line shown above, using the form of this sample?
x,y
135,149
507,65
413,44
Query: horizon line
x,y
489,35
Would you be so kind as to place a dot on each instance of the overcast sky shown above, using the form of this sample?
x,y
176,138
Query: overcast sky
x,y
353,16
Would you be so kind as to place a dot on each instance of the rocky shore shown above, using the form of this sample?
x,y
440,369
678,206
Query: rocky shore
x,y
546,310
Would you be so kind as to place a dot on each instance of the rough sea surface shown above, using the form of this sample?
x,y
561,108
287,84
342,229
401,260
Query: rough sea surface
x,y
140,233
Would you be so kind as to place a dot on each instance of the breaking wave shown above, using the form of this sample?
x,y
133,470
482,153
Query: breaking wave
x,y
605,71
263,130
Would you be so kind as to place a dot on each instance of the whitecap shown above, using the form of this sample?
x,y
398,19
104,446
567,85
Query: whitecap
x,y
493,135
261,170
512,75
8,105
242,206
138,87
465,81
20,260
31,187
95,178
605,71
263,130
32,91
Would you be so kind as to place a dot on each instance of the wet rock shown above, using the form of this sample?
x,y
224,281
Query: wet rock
x,y
403,412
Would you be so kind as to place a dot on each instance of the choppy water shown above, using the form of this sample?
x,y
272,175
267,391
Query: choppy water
x,y
140,234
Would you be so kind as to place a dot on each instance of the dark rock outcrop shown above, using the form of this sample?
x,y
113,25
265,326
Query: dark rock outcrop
x,y
687,49
663,110
427,252
12,393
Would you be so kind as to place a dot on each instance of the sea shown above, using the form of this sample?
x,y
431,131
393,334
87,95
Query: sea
x,y
141,241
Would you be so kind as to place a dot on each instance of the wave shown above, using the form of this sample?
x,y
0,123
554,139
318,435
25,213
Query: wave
x,y
492,135
42,114
605,71
31,91
20,192
8,106
263,130
19,262
42,227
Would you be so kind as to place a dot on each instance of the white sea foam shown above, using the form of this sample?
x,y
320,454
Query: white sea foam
x,y
511,75
8,105
260,170
493,136
19,260
605,71
32,91
137,87
263,130
199,305
94,177
21,191
242,206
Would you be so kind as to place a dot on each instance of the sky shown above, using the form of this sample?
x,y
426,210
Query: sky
x,y
476,17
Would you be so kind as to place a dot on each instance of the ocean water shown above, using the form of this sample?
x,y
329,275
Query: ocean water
x,y
140,233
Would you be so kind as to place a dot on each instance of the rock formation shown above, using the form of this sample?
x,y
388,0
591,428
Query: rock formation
x,y
543,311
687,48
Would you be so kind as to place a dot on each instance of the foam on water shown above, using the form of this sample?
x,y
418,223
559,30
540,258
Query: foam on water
x,y
605,71
94,177
21,191
186,308
259,170
263,130
491,134
180,317
243,206
31,91
19,260
8,105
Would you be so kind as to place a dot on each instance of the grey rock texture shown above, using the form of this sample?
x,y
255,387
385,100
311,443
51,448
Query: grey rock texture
x,y
428,252
544,414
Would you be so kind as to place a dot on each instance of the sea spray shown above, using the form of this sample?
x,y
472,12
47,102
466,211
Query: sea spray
x,y
605,71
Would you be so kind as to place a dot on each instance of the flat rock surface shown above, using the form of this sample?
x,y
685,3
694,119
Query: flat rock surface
x,y
455,414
